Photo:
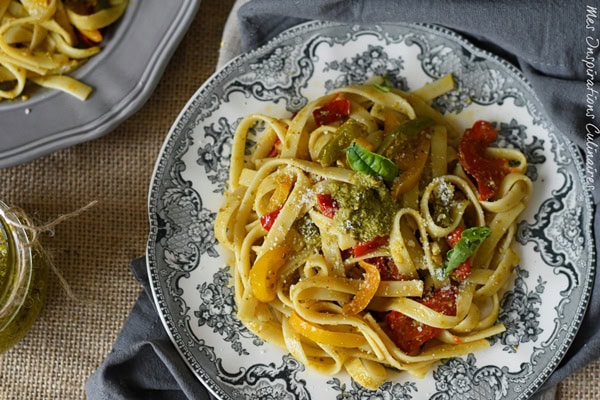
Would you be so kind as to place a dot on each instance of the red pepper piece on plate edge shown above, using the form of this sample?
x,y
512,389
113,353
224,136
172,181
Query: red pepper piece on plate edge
x,y
408,334
337,109
488,172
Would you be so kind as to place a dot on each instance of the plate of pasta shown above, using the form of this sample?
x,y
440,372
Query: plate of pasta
x,y
72,70
369,211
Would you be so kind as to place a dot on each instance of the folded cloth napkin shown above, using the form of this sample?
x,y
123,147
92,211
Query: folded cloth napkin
x,y
143,363
546,40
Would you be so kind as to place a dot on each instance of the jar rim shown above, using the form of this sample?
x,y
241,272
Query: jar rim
x,y
19,254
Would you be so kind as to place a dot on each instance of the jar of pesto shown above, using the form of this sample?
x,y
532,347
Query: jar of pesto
x,y
23,276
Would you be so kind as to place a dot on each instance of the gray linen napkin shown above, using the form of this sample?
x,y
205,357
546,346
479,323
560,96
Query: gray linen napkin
x,y
538,37
143,363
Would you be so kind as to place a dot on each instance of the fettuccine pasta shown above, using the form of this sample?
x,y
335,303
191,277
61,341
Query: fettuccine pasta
x,y
367,232
43,40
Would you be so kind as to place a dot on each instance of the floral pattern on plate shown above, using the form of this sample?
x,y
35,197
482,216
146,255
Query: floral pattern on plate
x,y
543,307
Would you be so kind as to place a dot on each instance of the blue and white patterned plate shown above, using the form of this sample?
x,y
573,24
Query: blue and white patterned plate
x,y
542,309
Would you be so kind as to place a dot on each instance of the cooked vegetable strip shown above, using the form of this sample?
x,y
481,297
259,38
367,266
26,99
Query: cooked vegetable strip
x,y
338,108
263,275
366,291
355,246
325,336
344,135
487,171
402,132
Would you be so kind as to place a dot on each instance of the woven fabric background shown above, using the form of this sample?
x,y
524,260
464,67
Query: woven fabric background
x,y
93,250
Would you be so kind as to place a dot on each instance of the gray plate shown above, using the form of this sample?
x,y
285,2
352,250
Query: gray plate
x,y
123,75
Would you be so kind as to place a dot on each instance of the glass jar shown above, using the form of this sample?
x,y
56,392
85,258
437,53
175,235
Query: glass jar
x,y
23,277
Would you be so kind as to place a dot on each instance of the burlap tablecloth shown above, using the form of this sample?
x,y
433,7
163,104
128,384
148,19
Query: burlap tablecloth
x,y
93,250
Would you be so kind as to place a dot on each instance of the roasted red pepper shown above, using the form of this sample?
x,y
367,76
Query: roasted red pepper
x,y
454,236
464,270
408,334
327,204
360,249
488,172
388,269
267,220
337,109
276,149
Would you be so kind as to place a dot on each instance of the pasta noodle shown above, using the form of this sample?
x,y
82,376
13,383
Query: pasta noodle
x,y
43,40
366,233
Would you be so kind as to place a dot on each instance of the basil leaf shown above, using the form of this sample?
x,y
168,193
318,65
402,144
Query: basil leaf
x,y
367,162
468,243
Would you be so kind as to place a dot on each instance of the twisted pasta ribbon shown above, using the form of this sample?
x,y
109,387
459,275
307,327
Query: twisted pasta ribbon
x,y
41,41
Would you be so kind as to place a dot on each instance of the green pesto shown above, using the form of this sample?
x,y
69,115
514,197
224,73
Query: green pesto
x,y
4,278
29,311
309,233
443,204
366,207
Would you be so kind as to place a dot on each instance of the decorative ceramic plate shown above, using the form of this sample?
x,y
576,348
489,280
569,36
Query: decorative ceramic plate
x,y
543,307
123,75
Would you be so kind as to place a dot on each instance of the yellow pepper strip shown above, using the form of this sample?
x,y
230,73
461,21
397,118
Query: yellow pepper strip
x,y
324,336
366,290
281,192
93,34
391,120
263,275
364,142
412,163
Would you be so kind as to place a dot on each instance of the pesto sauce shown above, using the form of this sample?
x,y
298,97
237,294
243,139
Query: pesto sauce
x,y
4,274
32,305
366,207
443,203
310,236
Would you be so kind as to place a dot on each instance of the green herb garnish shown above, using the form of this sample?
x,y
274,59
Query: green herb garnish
x,y
384,86
468,243
367,162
